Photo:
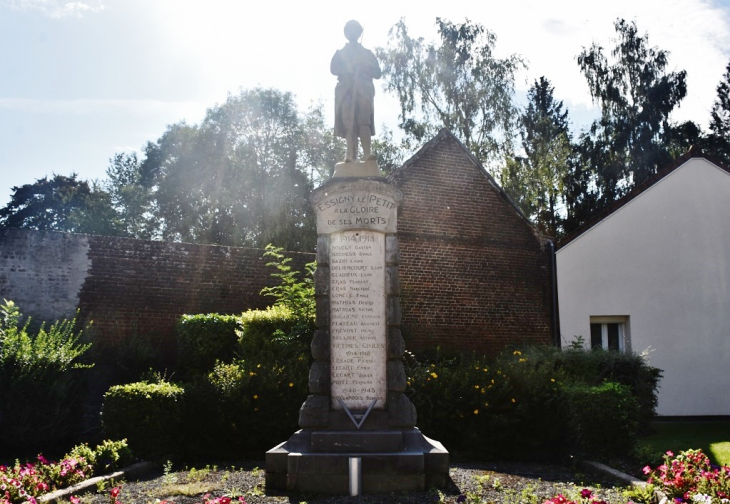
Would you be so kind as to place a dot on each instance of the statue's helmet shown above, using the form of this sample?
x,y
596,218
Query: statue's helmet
x,y
353,30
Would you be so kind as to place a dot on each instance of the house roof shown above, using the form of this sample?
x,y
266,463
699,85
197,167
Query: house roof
x,y
443,135
693,153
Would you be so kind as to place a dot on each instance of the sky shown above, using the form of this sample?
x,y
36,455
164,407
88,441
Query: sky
x,y
83,80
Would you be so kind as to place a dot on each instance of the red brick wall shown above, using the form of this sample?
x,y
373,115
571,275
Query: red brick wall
x,y
474,276
146,285
129,286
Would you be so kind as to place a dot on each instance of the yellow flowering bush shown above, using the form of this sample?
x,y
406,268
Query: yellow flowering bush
x,y
521,404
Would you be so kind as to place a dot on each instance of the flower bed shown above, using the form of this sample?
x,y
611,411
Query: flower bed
x,y
25,482
690,477
22,483
586,497
687,478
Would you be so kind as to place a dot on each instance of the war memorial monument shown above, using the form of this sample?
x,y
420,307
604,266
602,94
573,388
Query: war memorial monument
x,y
358,429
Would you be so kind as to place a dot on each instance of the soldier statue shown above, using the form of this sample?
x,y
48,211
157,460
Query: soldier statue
x,y
355,68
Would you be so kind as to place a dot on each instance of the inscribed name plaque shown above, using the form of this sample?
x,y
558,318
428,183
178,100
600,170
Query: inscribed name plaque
x,y
357,319
364,205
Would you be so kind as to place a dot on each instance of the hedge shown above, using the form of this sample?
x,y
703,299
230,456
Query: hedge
x,y
147,414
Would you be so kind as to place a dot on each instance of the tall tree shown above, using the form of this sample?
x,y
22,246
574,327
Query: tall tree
x,y
535,181
631,140
61,204
389,153
719,138
239,178
321,149
455,83
130,197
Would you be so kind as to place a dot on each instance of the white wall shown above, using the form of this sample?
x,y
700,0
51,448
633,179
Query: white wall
x,y
663,259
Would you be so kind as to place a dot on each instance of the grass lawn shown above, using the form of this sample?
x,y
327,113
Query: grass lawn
x,y
713,437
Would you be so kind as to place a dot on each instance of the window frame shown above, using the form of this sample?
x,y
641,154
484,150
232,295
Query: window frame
x,y
624,340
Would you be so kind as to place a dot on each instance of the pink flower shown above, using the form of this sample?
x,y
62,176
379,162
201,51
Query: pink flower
x,y
669,453
74,500
646,469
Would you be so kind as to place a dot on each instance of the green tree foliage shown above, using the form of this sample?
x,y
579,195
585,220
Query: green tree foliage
x,y
321,148
630,141
719,138
536,180
130,198
390,155
238,178
456,83
293,293
61,204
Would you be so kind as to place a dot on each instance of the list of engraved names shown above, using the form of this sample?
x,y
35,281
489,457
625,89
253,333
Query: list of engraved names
x,y
357,319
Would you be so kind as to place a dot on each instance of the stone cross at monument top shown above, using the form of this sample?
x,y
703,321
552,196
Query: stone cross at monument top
x,y
357,408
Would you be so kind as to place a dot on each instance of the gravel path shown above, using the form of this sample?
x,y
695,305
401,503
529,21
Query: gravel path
x,y
488,483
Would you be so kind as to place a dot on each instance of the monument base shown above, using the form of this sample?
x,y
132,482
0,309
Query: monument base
x,y
367,168
393,460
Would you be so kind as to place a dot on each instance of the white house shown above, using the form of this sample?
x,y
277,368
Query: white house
x,y
653,272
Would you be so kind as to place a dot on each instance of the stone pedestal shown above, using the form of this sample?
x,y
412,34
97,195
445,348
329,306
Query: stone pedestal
x,y
367,168
356,406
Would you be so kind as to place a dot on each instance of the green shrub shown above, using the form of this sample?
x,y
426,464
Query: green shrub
x,y
505,408
602,419
107,457
204,339
594,367
147,414
40,381
517,405
251,370
85,452
111,456
291,292
244,406
265,334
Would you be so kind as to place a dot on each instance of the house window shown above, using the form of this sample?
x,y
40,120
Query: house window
x,y
610,333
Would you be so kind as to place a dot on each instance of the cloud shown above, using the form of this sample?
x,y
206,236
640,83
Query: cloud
x,y
187,109
558,27
55,8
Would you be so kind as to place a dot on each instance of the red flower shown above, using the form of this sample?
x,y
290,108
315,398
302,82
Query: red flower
x,y
115,492
585,493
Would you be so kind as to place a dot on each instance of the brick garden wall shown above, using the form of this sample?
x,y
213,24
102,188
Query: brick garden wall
x,y
129,286
474,276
